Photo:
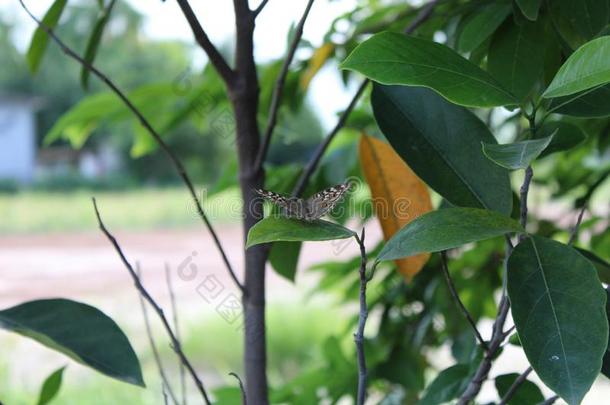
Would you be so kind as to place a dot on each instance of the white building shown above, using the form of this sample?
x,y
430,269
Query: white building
x,y
17,139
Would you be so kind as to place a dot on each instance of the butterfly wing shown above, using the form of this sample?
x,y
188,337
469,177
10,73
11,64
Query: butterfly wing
x,y
291,207
275,198
324,201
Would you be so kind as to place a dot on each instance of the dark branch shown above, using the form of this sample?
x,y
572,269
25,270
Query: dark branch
x,y
217,60
244,399
498,335
317,155
260,7
574,232
145,294
278,90
167,388
424,14
551,400
459,302
515,386
146,124
172,298
363,315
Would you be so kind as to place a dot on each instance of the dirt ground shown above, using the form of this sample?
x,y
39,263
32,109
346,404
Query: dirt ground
x,y
84,267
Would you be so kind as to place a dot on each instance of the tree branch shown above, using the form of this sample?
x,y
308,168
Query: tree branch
x,y
459,302
424,14
146,124
244,399
217,60
172,298
363,315
146,295
574,232
498,335
260,8
153,345
551,400
515,386
279,86
311,166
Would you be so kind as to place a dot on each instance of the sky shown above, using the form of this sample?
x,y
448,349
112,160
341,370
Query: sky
x,y
165,21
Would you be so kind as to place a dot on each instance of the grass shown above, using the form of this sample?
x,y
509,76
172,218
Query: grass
x,y
138,209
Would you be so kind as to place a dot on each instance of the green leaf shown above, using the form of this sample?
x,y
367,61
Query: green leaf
x,y
478,27
391,58
50,387
592,103
529,8
565,136
38,44
284,258
558,305
445,229
79,331
587,67
441,143
449,383
606,359
516,56
94,42
517,155
77,124
527,394
602,266
276,228
586,18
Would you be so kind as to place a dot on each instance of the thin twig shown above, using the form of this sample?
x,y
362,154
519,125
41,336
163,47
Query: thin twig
x,y
278,90
167,388
574,232
244,399
260,8
551,400
217,60
146,295
363,315
498,335
510,330
459,302
146,124
165,399
172,298
515,386
317,155
424,14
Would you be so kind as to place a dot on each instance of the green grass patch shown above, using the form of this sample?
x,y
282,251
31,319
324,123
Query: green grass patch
x,y
138,209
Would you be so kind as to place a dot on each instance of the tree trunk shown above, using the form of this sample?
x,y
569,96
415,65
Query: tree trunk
x,y
245,98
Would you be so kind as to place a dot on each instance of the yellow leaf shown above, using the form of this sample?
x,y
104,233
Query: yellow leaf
x,y
398,195
318,59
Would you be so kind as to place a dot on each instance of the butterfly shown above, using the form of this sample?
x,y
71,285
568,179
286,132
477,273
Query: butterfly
x,y
308,209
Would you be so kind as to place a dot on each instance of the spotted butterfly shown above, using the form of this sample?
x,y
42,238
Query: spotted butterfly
x,y
308,209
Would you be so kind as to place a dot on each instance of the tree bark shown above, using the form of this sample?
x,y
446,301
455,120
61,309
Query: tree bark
x,y
244,93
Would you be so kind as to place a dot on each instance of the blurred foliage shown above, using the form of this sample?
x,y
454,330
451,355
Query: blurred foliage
x,y
413,320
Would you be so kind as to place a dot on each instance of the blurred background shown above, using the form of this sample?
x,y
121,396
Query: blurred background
x,y
61,144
